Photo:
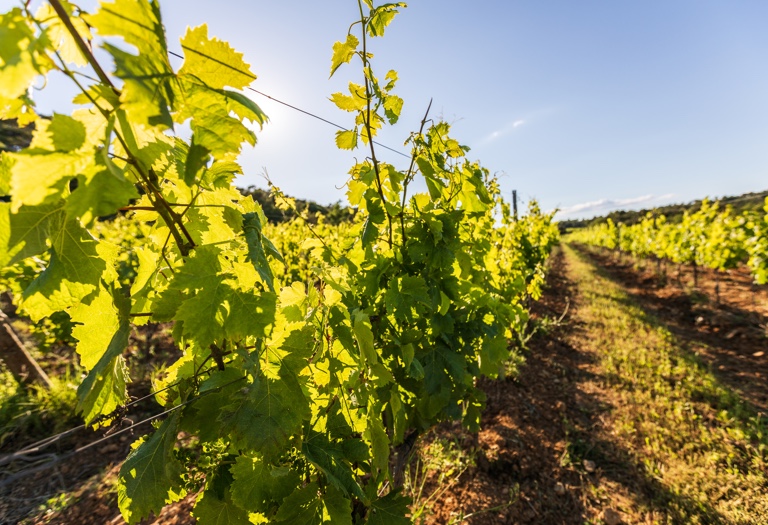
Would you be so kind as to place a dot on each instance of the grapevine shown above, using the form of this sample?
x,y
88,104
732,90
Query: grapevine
x,y
711,237
330,349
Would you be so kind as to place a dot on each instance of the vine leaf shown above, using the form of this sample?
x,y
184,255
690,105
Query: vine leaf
x,y
389,510
78,263
151,475
329,458
256,252
266,415
212,61
307,506
22,55
211,509
147,92
100,193
219,304
381,17
108,327
28,231
259,486
346,139
60,36
343,52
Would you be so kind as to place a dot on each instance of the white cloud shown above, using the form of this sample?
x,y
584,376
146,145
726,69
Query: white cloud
x,y
606,205
500,132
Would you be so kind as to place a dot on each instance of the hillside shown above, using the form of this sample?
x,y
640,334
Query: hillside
x,y
739,203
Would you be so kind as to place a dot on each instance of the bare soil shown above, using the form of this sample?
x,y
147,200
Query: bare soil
x,y
729,334
558,408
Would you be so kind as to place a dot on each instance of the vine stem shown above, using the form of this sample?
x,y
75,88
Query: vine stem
x,y
161,206
409,177
367,121
81,45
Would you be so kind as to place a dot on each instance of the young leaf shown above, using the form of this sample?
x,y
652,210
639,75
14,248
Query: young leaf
x,y
381,17
343,52
346,139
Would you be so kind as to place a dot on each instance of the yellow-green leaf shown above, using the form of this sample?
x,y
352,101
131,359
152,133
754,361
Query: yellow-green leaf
x,y
213,62
343,52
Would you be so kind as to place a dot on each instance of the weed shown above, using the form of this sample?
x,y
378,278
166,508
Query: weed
x,y
701,449
31,412
436,468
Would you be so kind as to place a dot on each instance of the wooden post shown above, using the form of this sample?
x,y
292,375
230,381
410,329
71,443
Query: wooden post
x,y
514,203
21,364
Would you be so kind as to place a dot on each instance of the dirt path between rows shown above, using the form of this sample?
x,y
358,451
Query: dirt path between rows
x,y
567,441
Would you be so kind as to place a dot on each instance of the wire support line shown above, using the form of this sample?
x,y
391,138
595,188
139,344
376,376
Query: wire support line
x,y
37,446
296,108
57,460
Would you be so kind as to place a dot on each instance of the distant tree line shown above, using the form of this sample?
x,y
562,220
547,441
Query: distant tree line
x,y
673,212
335,213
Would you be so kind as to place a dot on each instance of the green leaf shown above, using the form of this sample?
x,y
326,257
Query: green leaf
x,y
100,192
364,337
147,90
256,252
338,508
343,52
381,17
377,439
259,486
101,342
243,107
213,126
78,263
59,34
29,231
212,61
220,303
389,510
210,509
288,350
42,177
329,458
22,55
350,102
393,105
104,389
266,415
197,159
370,232
67,134
302,507
151,475
308,506
97,319
346,139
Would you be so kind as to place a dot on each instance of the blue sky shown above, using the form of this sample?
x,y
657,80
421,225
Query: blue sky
x,y
586,106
